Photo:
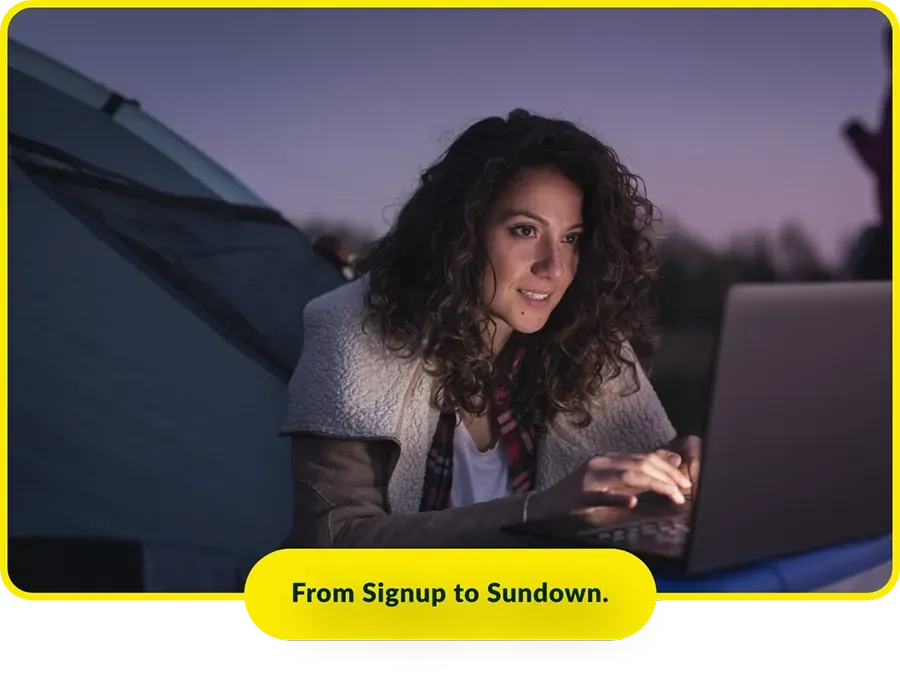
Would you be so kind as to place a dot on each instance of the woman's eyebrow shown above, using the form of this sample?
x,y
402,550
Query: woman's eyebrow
x,y
535,217
528,214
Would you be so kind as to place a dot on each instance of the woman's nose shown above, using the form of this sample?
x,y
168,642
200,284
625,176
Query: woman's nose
x,y
549,263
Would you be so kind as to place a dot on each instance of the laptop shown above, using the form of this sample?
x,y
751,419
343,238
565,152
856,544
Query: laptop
x,y
797,445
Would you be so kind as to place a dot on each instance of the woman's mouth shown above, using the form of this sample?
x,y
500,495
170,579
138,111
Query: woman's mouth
x,y
534,296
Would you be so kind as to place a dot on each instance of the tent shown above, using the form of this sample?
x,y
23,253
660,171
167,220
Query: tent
x,y
154,319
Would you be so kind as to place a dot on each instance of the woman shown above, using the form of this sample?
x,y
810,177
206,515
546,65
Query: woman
x,y
482,374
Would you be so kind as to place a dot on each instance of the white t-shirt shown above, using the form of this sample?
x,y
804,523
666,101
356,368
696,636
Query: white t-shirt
x,y
477,476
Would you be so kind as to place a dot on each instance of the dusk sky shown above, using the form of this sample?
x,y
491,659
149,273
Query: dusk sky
x,y
731,117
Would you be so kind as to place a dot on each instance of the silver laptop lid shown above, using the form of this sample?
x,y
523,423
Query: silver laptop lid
x,y
798,447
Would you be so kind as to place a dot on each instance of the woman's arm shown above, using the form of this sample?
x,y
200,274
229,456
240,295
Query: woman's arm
x,y
340,499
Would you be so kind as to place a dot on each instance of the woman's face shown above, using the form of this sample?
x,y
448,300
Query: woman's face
x,y
532,234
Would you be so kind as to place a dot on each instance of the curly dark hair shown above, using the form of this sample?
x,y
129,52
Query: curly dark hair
x,y
425,275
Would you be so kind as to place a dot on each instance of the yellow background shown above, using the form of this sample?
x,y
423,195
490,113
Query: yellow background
x,y
211,633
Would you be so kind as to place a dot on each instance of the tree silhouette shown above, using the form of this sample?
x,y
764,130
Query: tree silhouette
x,y
691,299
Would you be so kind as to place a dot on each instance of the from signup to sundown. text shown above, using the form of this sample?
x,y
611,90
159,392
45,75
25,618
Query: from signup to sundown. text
x,y
453,594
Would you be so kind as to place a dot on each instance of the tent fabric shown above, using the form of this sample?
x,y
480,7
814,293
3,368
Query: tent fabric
x,y
152,325
129,416
40,113
245,269
67,109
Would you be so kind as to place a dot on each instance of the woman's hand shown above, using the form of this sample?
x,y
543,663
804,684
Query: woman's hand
x,y
689,450
614,480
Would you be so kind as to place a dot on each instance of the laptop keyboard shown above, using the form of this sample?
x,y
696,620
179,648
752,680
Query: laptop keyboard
x,y
665,531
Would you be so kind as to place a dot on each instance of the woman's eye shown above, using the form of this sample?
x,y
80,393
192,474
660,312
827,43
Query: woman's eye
x,y
573,239
524,231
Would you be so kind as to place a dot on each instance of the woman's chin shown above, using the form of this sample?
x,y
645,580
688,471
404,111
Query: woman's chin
x,y
524,324
527,326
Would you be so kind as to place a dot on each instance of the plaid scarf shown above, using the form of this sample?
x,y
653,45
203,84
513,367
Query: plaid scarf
x,y
515,438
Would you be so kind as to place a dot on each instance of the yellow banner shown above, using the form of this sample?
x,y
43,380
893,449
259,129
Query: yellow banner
x,y
450,594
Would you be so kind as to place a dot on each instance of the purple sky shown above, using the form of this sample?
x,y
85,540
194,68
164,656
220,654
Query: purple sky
x,y
731,117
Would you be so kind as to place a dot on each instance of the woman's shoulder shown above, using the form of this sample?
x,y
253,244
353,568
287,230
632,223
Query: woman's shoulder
x,y
338,335
345,375
625,413
347,301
